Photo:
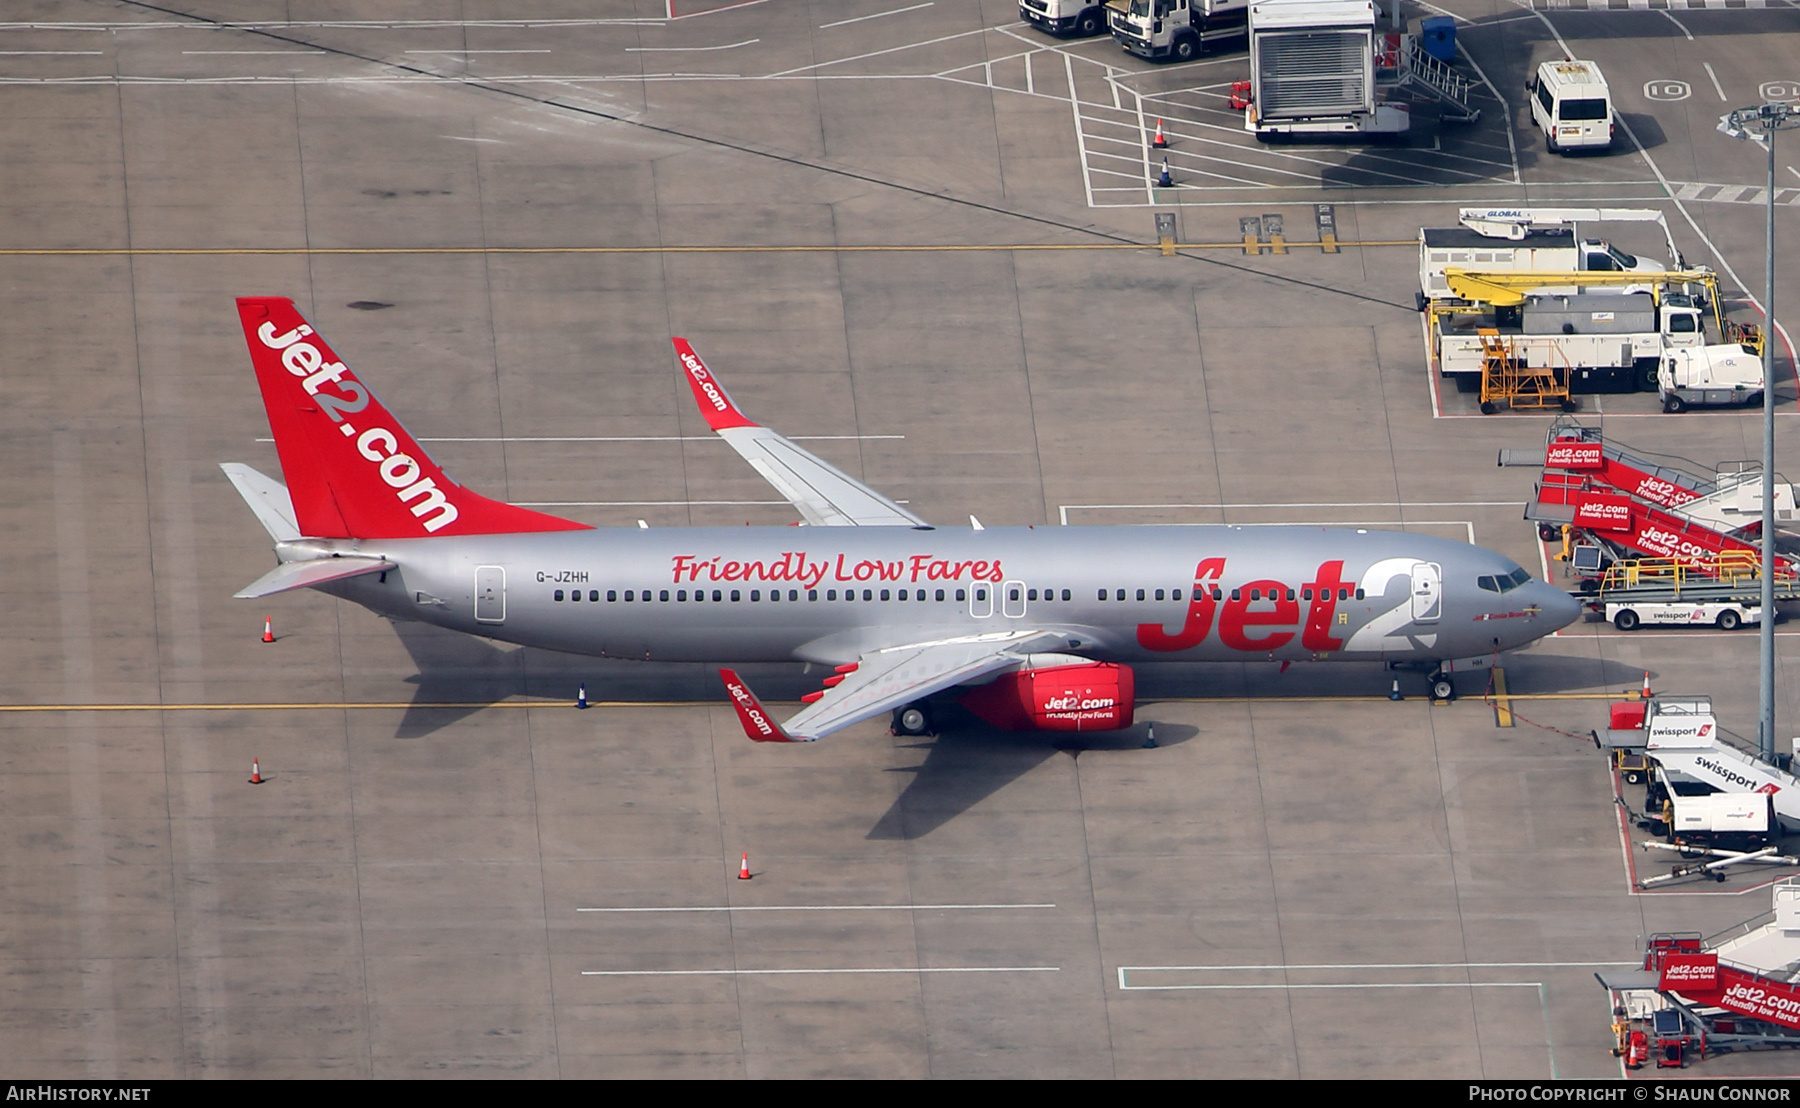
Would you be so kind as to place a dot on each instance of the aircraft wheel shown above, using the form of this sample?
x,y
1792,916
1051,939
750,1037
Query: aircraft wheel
x,y
1729,620
1626,620
1442,688
912,720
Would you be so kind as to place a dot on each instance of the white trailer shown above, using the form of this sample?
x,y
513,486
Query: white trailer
x,y
1743,819
1312,71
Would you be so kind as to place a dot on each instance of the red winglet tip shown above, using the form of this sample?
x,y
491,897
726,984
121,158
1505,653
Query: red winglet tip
x,y
716,405
756,720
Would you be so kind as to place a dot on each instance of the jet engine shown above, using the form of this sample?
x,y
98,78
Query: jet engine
x,y
1057,692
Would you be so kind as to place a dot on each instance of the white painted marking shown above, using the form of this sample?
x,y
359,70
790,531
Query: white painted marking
x,y
470,138
1030,88
1795,172
1662,89
770,972
1728,193
1689,192
1780,90
338,24
877,15
458,52
687,49
23,53
826,908
254,53
878,53
1715,80
1087,181
1677,22
710,11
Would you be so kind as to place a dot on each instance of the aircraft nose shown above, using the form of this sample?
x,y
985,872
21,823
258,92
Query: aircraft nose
x,y
1560,609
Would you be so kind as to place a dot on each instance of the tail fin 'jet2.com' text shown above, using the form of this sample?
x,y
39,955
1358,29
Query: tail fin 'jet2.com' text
x,y
1030,627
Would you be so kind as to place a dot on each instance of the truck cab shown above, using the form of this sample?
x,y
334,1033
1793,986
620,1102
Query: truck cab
x,y
1571,104
1065,17
1176,29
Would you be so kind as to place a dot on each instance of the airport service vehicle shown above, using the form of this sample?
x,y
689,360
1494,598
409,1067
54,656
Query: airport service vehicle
x,y
1682,735
1570,103
1065,17
1175,29
1691,815
1312,71
1536,240
1033,627
1595,341
1629,615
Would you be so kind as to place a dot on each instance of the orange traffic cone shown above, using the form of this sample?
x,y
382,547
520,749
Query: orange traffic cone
x,y
256,777
1646,694
744,868
1159,141
268,630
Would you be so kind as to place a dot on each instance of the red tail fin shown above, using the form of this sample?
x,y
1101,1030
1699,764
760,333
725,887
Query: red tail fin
x,y
351,468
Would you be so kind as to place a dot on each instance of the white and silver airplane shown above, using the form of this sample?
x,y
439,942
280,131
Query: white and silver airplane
x,y
1031,628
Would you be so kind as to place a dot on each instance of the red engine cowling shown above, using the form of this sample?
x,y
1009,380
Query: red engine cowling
x,y
1089,696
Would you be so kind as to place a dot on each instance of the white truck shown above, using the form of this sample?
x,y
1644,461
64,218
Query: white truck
x,y
1710,376
1065,17
1312,72
1534,240
1174,29
1605,342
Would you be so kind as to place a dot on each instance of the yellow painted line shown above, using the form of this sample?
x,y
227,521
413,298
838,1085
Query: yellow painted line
x,y
238,251
402,705
1503,716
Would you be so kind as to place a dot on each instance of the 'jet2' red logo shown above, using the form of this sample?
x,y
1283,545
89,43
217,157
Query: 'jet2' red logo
x,y
1236,619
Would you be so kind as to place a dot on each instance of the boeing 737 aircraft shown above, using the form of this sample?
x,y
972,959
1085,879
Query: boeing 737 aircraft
x,y
1031,628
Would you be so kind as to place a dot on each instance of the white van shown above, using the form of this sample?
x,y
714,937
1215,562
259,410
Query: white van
x,y
1570,103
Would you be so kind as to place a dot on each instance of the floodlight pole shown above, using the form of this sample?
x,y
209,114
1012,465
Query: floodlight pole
x,y
1768,118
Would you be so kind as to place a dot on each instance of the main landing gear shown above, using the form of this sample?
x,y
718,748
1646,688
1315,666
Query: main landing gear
x,y
1442,688
913,719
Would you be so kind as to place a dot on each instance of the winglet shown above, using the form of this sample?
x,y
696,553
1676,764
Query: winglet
x,y
715,403
755,718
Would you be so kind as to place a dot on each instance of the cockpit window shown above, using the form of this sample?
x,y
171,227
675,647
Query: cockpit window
x,y
1504,582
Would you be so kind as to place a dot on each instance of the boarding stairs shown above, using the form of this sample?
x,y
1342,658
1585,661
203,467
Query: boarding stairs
x,y
1634,504
1729,992
1427,76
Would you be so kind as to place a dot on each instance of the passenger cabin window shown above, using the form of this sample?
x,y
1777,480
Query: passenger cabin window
x,y
1121,594
960,596
557,595
593,596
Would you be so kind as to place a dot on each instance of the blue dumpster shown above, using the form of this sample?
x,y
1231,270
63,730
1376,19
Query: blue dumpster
x,y
1437,34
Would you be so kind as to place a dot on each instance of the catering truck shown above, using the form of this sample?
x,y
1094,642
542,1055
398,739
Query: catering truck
x,y
1312,72
1174,29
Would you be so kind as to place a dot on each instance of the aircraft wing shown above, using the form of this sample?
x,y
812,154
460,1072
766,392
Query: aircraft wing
x,y
883,680
825,495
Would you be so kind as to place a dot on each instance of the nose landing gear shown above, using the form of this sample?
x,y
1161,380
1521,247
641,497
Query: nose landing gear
x,y
1442,688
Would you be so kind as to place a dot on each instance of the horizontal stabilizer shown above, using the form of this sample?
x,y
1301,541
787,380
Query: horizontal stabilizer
x,y
268,498
301,575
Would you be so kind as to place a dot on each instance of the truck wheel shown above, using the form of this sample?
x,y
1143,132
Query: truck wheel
x,y
1185,47
1674,404
1626,620
1729,620
1091,22
1549,532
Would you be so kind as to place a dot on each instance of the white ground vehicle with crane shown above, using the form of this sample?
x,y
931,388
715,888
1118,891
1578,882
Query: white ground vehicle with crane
x,y
1535,240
